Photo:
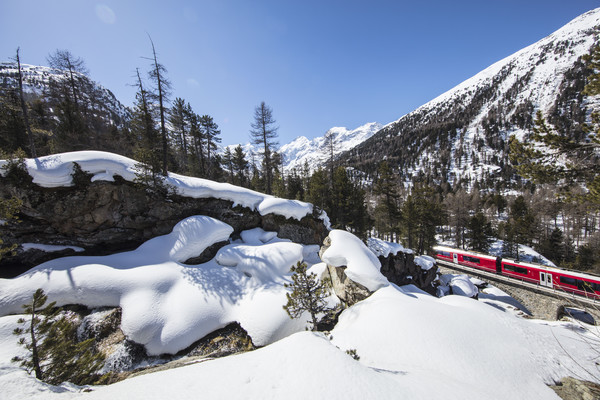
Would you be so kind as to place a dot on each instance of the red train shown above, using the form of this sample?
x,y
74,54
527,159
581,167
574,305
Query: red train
x,y
570,281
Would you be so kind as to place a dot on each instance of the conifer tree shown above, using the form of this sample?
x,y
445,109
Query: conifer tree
x,y
386,210
211,132
32,151
198,141
263,133
9,209
240,165
179,123
564,160
479,233
318,189
56,354
308,295
163,86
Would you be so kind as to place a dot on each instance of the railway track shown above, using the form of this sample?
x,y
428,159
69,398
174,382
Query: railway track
x,y
537,288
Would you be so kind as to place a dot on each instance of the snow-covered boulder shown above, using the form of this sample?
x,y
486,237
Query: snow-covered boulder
x,y
98,209
400,266
354,270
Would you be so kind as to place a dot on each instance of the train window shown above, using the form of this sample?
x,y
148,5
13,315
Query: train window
x,y
471,259
444,253
514,268
586,286
568,281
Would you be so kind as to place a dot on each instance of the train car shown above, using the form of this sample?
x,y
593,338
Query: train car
x,y
582,284
467,258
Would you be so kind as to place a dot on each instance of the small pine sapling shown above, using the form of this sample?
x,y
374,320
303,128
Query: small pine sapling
x,y
308,294
56,354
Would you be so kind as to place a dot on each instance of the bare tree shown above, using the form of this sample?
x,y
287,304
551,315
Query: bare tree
x,y
63,59
263,133
163,86
24,108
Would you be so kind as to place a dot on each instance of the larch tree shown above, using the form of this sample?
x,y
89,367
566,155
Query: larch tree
x,y
65,96
163,87
63,59
263,133
32,151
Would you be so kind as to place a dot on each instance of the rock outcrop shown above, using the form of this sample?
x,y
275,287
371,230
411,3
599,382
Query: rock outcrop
x,y
107,217
401,269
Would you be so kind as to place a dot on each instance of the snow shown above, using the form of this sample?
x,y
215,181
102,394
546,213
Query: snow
x,y
244,283
56,170
382,248
425,262
362,264
411,345
451,348
49,247
314,152
459,284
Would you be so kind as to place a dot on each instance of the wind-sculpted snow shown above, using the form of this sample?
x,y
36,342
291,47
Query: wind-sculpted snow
x,y
168,305
362,264
56,171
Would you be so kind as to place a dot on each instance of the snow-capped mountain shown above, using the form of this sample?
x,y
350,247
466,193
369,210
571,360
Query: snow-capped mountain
x,y
463,133
36,81
315,152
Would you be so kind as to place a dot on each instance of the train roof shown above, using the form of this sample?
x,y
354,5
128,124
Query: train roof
x,y
577,274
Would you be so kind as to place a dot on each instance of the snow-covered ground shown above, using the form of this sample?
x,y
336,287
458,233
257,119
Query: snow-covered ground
x,y
411,345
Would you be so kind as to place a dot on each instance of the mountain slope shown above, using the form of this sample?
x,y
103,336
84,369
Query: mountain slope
x,y
462,134
36,82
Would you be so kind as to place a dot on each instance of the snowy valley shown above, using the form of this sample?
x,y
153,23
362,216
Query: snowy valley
x,y
163,248
409,343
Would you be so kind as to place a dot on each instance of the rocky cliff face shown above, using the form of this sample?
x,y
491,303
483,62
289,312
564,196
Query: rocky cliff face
x,y
107,217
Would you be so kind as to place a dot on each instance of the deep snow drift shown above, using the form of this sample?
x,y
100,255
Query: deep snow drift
x,y
411,345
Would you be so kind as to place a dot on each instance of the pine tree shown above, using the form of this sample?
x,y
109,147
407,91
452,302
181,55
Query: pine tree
x,y
211,132
422,213
56,354
228,163
318,189
240,165
263,133
479,233
308,295
198,141
179,123
9,208
386,210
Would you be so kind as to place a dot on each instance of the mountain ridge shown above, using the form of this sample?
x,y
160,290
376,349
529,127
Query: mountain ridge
x,y
469,124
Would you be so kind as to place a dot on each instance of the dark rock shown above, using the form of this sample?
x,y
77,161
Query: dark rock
x,y
109,217
229,340
402,270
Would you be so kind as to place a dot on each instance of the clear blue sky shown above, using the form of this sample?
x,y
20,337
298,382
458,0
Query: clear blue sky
x,y
318,64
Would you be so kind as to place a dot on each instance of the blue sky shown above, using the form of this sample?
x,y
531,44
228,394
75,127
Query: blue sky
x,y
318,64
